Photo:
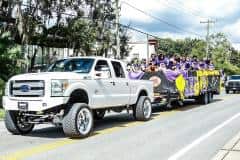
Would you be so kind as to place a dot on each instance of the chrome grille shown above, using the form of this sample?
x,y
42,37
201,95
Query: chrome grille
x,y
27,88
234,84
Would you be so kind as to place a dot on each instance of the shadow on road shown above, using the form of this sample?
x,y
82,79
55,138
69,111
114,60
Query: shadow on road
x,y
189,105
111,121
48,132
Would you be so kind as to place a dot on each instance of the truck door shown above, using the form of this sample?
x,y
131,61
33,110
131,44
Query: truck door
x,y
121,89
104,84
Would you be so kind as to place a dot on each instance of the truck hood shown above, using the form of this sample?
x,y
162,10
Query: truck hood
x,y
50,75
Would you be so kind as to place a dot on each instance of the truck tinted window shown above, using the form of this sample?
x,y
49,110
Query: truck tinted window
x,y
102,65
82,65
118,69
235,77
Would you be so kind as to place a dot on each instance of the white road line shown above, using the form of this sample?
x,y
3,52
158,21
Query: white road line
x,y
202,138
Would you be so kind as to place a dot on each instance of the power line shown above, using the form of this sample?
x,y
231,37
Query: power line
x,y
181,9
161,20
191,10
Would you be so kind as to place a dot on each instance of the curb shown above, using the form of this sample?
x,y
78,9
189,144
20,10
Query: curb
x,y
229,149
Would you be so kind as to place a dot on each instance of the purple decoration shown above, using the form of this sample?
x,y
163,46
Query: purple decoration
x,y
184,73
135,75
189,91
171,75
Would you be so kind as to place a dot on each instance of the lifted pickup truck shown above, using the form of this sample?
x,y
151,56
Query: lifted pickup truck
x,y
72,93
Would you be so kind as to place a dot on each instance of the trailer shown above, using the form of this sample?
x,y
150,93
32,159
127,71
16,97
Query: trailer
x,y
200,85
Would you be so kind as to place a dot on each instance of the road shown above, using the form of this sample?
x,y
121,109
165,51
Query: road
x,y
193,132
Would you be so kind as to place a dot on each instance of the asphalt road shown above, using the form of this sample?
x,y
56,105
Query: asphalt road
x,y
193,132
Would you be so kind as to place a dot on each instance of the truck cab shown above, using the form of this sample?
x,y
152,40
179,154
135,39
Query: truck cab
x,y
232,84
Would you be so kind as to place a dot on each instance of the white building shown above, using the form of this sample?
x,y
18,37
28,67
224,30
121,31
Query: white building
x,y
140,50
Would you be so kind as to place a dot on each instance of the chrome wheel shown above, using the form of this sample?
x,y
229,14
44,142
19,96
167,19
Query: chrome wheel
x,y
147,108
84,121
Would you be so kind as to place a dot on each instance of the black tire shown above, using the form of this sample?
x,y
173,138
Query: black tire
x,y
210,97
180,103
203,99
15,125
227,91
143,109
71,121
99,114
168,106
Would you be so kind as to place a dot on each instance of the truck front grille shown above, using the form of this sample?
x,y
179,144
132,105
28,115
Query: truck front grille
x,y
27,88
234,84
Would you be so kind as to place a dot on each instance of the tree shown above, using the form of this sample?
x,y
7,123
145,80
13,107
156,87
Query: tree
x,y
76,24
223,53
9,57
124,41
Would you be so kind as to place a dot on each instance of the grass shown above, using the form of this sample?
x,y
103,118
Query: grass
x,y
2,113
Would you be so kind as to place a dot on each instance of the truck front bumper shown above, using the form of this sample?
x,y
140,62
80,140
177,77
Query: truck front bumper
x,y
232,88
41,104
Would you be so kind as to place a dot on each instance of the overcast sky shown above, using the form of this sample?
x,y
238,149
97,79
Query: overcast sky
x,y
185,14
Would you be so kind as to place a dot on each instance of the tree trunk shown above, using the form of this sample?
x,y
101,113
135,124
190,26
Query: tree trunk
x,y
33,59
43,54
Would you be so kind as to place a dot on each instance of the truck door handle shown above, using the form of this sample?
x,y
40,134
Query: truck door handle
x,y
127,83
113,83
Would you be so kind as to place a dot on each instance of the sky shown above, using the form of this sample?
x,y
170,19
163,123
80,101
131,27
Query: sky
x,y
183,18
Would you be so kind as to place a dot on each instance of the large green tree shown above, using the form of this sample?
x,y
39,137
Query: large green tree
x,y
223,54
9,57
76,24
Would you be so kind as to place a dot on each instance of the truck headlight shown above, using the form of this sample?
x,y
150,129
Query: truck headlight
x,y
58,87
226,84
6,90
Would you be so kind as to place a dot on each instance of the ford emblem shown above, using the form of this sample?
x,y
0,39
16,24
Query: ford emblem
x,y
25,88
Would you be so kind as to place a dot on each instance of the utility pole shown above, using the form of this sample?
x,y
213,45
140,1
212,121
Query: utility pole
x,y
117,30
208,22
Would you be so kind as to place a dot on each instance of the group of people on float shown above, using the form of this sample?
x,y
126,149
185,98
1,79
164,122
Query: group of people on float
x,y
172,66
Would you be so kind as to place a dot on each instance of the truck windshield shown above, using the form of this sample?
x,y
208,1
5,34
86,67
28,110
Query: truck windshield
x,y
235,77
81,65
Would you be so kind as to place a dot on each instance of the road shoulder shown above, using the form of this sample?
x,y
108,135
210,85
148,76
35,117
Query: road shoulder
x,y
230,151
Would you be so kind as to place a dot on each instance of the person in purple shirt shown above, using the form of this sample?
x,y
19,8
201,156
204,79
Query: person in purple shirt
x,y
195,64
211,66
202,65
162,59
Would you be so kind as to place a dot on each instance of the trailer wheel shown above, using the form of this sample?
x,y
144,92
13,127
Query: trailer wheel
x,y
180,103
142,111
203,99
15,123
168,104
227,91
210,97
78,122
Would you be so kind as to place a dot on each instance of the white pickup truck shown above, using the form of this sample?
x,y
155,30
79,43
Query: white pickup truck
x,y
72,93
